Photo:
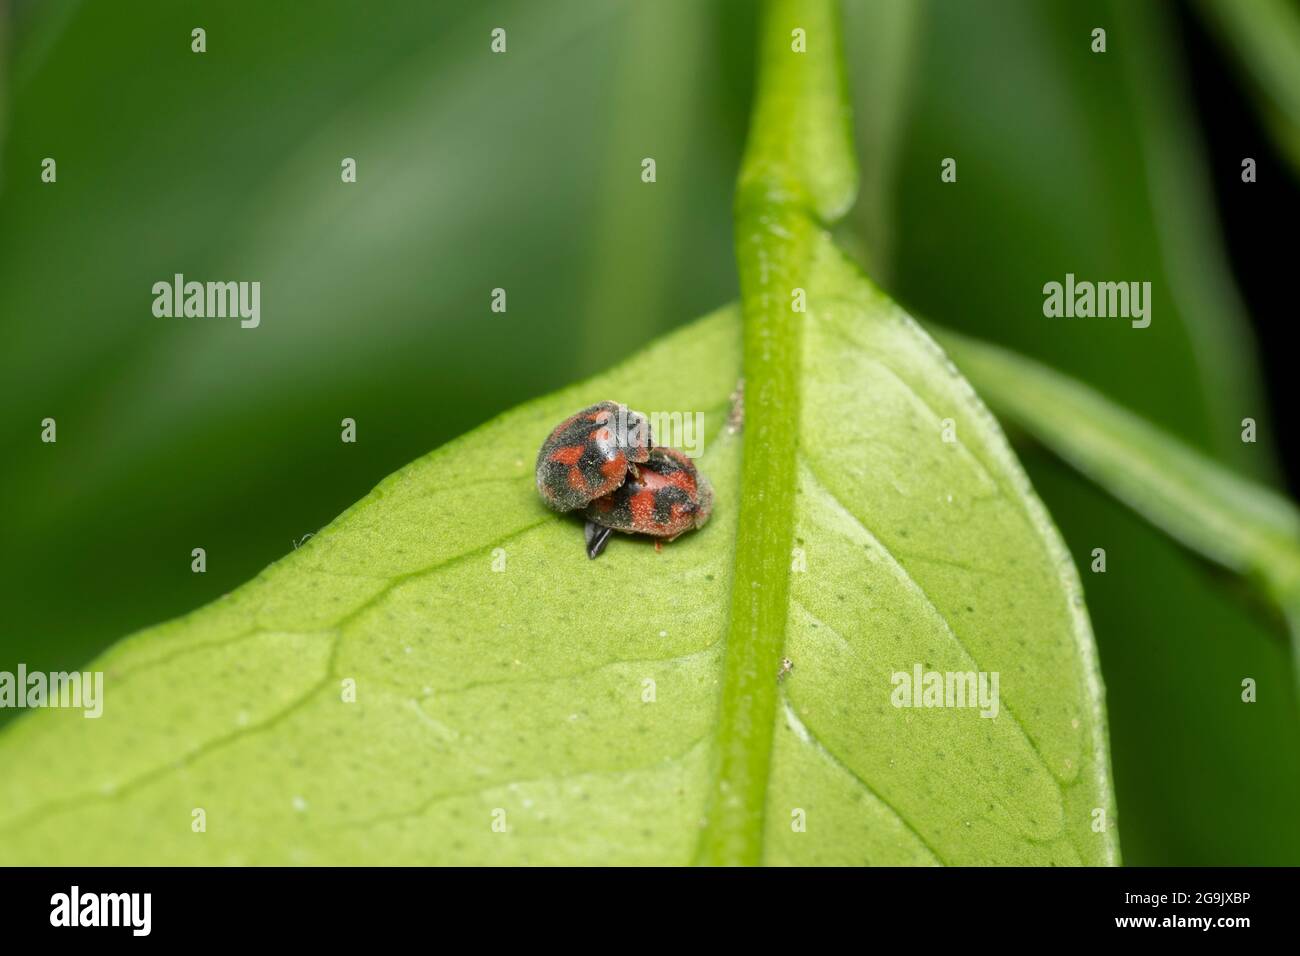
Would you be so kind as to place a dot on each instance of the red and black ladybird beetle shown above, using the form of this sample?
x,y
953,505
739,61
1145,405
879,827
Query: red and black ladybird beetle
x,y
592,453
665,498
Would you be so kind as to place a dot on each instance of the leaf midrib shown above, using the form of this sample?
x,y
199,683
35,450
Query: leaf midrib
x,y
798,172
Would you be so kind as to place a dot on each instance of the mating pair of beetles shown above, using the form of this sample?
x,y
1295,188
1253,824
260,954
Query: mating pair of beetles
x,y
604,461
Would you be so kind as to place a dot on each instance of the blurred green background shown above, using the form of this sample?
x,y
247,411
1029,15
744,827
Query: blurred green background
x,y
522,171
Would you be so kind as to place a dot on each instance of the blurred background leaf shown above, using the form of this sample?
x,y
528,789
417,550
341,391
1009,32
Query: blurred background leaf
x,y
522,171
476,171
1264,36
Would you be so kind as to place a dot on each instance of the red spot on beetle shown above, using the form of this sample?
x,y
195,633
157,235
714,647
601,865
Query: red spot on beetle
x,y
682,480
567,456
643,507
616,467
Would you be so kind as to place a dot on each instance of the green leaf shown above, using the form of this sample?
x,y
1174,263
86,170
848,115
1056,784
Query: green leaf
x,y
1231,520
524,689
628,710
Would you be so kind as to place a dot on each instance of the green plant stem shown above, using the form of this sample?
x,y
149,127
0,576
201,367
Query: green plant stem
x,y
797,172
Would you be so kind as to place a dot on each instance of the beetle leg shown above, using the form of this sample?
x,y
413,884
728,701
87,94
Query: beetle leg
x,y
597,538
